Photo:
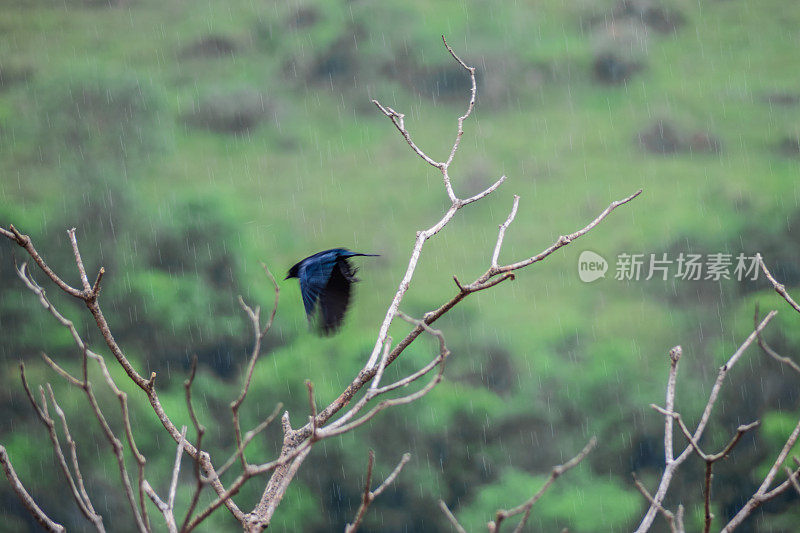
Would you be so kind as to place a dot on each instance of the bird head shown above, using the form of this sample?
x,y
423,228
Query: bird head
x,y
292,272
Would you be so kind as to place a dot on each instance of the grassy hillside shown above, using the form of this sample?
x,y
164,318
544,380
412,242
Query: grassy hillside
x,y
247,135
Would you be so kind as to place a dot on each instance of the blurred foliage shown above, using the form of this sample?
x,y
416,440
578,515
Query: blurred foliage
x,y
187,143
586,503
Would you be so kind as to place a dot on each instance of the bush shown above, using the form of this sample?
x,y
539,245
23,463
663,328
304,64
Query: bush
x,y
229,111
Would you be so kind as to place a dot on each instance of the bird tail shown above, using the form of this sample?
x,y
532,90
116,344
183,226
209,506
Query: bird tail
x,y
356,254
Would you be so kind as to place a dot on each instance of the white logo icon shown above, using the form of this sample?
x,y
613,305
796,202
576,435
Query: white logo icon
x,y
591,266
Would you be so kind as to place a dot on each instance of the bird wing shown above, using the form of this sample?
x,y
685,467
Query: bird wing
x,y
314,276
336,297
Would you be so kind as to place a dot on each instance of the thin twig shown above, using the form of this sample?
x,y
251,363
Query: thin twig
x,y
451,517
44,417
792,478
27,501
709,459
248,437
368,496
312,404
525,508
200,431
767,349
561,241
94,517
456,203
502,233
176,468
763,494
258,333
25,242
674,525
779,287
84,385
169,517
671,466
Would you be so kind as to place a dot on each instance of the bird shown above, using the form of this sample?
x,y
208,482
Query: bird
x,y
326,280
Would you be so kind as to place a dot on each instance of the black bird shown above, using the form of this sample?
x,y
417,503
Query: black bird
x,y
325,283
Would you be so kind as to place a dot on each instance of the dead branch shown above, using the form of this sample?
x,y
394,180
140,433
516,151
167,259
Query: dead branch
x,y
369,495
763,494
525,508
84,505
709,459
451,517
297,443
793,477
767,349
779,287
162,506
86,386
259,334
27,501
675,520
90,298
168,508
200,431
672,463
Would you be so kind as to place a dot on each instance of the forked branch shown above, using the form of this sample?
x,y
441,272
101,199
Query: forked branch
x,y
369,495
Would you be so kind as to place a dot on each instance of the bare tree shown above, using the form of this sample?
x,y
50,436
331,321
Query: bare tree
x,y
671,416
342,415
360,401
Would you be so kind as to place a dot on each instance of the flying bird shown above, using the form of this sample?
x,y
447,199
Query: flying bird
x,y
326,280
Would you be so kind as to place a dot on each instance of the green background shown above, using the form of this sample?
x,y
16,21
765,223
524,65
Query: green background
x,y
187,141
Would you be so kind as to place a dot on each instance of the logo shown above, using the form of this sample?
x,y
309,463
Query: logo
x,y
591,266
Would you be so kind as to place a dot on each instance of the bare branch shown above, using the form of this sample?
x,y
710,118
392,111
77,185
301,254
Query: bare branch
x,y
271,319
485,192
779,288
176,468
451,517
767,349
709,459
763,494
502,233
525,508
674,357
94,517
85,385
398,121
456,203
470,106
671,466
674,525
27,501
165,510
146,385
565,240
313,409
200,430
248,437
25,242
98,279
369,495
258,333
341,426
793,478
44,416
81,269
